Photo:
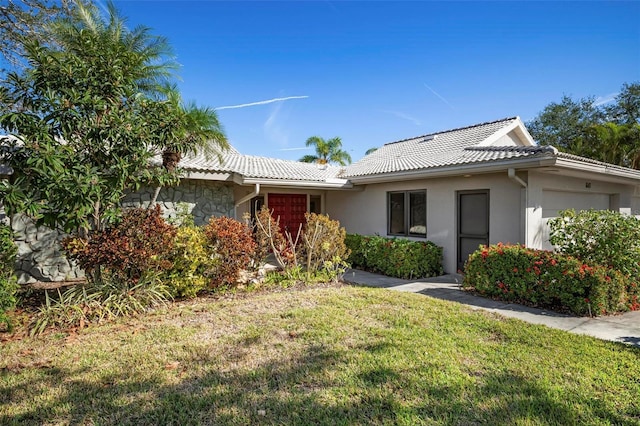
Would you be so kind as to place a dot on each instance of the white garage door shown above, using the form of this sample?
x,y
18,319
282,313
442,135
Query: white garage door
x,y
555,201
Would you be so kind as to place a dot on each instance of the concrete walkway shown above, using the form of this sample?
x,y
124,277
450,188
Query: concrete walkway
x,y
623,328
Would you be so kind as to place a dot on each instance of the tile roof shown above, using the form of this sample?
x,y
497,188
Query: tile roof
x,y
439,149
251,166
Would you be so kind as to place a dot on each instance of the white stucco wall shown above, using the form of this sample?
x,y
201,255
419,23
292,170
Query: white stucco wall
x,y
550,192
364,211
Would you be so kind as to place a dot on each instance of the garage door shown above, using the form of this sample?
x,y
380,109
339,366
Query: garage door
x,y
555,201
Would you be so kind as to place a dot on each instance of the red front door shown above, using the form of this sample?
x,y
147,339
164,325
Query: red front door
x,y
290,208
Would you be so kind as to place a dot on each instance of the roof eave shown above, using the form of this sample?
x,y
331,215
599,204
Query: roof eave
x,y
331,183
457,170
201,175
619,173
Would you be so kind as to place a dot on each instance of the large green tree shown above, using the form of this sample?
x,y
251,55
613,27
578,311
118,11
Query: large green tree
x,y
327,151
22,20
609,133
79,119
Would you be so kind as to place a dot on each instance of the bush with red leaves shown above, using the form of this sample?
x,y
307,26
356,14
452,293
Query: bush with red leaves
x,y
233,243
128,249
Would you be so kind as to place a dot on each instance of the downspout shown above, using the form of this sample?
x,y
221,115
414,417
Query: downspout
x,y
246,198
511,172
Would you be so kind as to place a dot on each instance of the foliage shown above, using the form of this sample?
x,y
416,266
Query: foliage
x,y
81,305
180,129
192,262
626,108
602,237
395,257
8,282
563,124
609,133
234,247
139,243
327,151
270,239
323,241
550,280
23,20
78,116
317,252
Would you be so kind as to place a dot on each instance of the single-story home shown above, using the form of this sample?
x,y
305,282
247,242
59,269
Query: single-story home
x,y
481,184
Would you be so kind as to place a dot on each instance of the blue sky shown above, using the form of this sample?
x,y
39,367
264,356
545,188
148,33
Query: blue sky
x,y
376,72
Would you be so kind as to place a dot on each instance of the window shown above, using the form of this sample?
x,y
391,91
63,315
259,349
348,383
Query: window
x,y
407,213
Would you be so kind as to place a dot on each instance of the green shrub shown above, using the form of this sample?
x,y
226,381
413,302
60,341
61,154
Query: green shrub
x,y
80,305
395,257
192,262
124,265
324,247
601,237
357,250
8,282
546,279
234,249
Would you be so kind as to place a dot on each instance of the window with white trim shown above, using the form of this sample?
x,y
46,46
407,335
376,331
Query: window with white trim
x,y
407,213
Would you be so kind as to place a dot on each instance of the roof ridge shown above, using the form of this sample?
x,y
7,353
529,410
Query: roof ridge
x,y
453,130
513,148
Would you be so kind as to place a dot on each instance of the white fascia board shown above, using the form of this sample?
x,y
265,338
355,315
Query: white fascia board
x,y
600,169
207,176
458,170
517,126
284,183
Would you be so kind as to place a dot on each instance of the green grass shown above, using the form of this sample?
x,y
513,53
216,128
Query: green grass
x,y
330,355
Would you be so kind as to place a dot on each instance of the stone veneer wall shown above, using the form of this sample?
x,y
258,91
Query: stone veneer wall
x,y
203,198
40,257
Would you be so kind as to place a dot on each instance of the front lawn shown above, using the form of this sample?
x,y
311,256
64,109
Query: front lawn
x,y
322,355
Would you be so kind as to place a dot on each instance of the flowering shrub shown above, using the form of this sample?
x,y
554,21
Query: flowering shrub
x,y
8,283
137,244
192,262
234,248
600,237
547,279
395,257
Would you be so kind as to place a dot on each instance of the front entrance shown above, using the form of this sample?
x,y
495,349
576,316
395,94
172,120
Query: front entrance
x,y
472,223
290,208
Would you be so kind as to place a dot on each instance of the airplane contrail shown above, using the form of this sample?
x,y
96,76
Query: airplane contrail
x,y
438,95
268,101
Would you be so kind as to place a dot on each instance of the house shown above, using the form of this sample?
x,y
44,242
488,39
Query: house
x,y
459,188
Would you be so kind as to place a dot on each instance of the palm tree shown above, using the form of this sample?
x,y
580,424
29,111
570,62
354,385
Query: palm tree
x,y
180,129
150,62
327,151
615,143
188,129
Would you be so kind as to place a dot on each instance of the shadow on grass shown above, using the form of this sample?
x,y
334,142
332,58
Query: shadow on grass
x,y
316,387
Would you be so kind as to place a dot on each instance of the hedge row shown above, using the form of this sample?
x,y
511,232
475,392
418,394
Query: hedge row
x,y
549,280
395,257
